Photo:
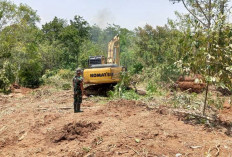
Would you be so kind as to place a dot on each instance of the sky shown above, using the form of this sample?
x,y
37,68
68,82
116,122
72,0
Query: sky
x,y
126,13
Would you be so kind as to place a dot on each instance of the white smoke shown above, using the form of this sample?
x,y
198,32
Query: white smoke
x,y
103,17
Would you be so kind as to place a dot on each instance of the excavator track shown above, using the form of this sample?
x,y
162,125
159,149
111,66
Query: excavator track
x,y
98,89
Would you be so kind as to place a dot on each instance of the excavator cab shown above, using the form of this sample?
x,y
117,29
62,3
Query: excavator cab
x,y
93,60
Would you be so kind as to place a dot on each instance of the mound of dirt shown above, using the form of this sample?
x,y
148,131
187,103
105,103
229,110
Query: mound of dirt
x,y
225,116
74,130
15,88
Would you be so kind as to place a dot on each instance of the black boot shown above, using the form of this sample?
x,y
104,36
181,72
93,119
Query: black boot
x,y
75,108
78,107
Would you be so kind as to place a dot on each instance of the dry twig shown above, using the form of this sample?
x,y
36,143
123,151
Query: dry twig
x,y
215,148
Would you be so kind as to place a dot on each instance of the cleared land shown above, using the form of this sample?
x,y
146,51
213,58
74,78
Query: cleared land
x,y
42,123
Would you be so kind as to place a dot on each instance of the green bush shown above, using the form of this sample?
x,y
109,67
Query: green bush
x,y
130,95
125,94
30,74
48,73
60,80
123,84
168,72
7,77
9,71
66,73
66,86
152,87
137,68
121,89
52,80
4,82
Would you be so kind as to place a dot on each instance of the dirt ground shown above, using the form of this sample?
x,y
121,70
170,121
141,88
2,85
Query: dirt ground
x,y
42,123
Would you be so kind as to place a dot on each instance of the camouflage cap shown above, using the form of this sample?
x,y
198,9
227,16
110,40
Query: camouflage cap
x,y
78,70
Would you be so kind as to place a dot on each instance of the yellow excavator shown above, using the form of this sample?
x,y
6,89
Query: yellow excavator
x,y
103,73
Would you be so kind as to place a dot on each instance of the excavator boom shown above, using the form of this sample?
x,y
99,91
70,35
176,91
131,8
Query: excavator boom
x,y
114,51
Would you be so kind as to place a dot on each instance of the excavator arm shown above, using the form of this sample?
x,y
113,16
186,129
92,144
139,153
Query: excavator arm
x,y
113,51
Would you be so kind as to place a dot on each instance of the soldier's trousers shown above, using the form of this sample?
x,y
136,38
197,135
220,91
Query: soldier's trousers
x,y
77,102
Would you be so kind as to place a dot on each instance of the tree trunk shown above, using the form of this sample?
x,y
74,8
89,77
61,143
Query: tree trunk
x,y
209,51
206,97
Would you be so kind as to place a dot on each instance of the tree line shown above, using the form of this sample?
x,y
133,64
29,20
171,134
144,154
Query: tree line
x,y
198,42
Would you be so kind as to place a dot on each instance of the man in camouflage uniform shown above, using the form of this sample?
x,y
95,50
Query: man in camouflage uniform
x,y
78,90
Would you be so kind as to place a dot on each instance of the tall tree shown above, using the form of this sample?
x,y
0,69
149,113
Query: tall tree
x,y
18,43
205,16
72,37
7,13
53,29
13,14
